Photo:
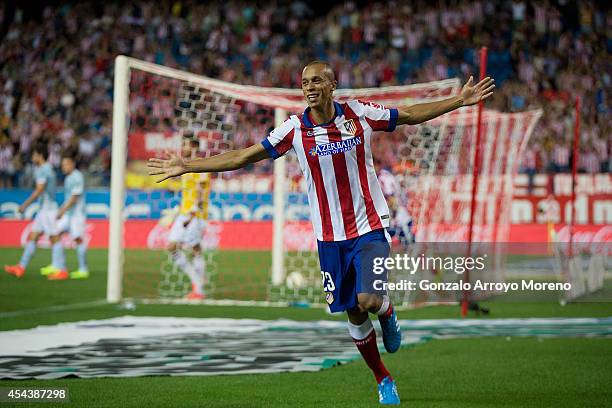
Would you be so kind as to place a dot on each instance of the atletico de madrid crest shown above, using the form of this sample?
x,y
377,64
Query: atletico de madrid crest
x,y
350,126
329,298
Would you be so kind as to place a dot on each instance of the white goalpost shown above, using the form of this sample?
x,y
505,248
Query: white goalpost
x,y
123,65
278,222
119,146
249,260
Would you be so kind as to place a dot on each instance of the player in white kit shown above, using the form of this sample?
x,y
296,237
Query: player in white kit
x,y
400,223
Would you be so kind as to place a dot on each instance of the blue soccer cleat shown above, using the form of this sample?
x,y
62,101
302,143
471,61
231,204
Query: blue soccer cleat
x,y
387,392
391,333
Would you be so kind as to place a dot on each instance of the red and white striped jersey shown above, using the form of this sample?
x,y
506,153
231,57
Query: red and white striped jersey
x,y
344,194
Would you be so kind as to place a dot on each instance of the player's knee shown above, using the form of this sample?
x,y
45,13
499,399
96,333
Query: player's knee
x,y
369,302
54,238
78,241
196,250
356,315
172,247
34,236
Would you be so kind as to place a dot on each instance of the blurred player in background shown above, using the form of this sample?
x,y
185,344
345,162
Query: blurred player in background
x,y
349,214
188,227
71,217
45,219
400,224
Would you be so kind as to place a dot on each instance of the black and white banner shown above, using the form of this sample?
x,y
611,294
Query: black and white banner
x,y
138,346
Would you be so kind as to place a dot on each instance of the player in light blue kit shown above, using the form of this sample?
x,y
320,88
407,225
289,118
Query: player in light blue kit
x,y
71,215
45,219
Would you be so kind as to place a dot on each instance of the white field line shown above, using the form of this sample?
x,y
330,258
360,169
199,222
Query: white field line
x,y
58,308
207,302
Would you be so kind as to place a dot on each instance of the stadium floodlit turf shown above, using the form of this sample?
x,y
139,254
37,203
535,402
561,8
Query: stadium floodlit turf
x,y
482,372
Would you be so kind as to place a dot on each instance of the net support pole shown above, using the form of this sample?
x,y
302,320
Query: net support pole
x,y
117,190
575,154
475,172
278,222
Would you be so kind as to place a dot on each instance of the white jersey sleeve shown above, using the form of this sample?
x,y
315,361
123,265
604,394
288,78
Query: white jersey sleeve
x,y
378,117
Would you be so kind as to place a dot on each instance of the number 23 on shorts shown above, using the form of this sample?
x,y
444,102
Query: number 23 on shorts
x,y
328,283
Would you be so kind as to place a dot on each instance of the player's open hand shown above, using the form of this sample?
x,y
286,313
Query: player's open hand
x,y
173,166
476,93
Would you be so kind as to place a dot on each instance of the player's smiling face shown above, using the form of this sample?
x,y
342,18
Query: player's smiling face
x,y
317,87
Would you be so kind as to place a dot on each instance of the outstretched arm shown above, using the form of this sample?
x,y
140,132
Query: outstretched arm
x,y
470,95
232,160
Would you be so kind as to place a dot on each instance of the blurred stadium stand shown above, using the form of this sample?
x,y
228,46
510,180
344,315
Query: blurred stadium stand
x,y
56,64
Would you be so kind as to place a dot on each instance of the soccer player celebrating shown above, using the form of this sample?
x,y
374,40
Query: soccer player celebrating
x,y
71,217
45,219
349,214
188,227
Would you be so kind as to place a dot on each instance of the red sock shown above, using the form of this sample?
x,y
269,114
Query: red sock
x,y
388,313
386,309
369,351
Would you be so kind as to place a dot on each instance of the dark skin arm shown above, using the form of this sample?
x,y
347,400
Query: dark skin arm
x,y
236,159
175,165
470,95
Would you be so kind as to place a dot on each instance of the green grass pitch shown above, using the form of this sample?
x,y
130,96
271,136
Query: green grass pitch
x,y
471,372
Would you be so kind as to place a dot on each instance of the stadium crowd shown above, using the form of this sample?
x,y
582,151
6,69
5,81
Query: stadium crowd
x,y
57,67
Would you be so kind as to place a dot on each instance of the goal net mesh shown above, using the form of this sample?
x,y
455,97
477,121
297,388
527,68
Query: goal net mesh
x,y
431,164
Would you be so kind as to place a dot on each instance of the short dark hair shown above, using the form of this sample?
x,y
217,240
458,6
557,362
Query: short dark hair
x,y
41,148
328,69
69,154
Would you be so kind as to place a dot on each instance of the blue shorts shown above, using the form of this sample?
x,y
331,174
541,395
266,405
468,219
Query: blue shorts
x,y
347,268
